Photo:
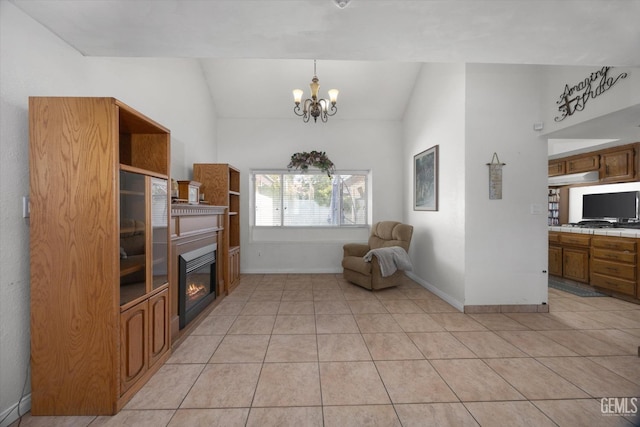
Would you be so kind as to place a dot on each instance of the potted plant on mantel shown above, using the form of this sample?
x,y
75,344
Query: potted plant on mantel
x,y
316,159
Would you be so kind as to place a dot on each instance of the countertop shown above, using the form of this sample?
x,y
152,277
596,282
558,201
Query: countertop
x,y
615,232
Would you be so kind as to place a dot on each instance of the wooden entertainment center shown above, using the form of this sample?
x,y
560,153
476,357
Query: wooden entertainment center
x,y
106,248
99,242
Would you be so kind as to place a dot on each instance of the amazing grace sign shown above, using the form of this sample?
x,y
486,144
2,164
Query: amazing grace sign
x,y
575,98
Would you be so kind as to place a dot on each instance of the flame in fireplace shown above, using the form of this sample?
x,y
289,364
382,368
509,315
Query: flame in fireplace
x,y
194,290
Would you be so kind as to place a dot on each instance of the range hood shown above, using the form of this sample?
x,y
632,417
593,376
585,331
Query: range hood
x,y
574,178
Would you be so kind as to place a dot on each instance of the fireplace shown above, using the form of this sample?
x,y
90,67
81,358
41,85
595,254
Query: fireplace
x,y
196,282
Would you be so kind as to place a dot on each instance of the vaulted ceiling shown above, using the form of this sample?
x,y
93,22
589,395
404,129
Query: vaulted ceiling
x,y
259,50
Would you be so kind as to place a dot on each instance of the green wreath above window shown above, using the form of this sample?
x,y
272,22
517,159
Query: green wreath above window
x,y
316,159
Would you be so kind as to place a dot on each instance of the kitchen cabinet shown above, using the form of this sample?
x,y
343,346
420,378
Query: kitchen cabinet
x,y
575,264
614,264
618,166
584,163
609,263
557,167
569,256
555,260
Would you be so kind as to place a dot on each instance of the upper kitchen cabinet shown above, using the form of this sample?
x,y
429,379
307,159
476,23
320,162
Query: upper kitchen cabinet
x,y
584,163
557,167
618,165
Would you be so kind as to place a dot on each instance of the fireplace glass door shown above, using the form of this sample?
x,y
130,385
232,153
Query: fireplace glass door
x,y
197,282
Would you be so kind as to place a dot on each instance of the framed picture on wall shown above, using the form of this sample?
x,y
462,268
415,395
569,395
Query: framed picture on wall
x,y
425,180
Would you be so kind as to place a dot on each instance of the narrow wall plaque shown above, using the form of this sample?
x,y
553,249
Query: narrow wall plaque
x,y
495,178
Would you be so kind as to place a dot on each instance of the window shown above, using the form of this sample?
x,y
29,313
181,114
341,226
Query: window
x,y
310,199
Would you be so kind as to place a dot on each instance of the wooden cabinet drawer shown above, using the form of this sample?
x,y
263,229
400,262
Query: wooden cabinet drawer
x,y
575,239
554,237
618,244
618,285
623,271
606,254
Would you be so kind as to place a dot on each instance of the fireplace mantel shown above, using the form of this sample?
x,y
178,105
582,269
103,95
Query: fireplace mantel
x,y
194,219
192,227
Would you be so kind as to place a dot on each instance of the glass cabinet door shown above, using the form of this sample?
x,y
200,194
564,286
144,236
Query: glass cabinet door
x,y
133,239
160,232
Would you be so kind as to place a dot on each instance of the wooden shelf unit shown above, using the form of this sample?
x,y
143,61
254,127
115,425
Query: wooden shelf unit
x,y
221,187
94,343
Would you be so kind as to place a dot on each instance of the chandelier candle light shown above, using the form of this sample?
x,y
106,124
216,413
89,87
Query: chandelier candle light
x,y
314,107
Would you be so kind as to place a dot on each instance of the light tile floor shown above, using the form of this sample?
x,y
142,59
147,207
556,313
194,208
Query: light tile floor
x,y
314,350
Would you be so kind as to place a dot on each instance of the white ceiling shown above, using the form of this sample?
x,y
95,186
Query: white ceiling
x,y
252,50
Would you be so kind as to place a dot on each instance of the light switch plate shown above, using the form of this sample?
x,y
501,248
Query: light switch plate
x,y
535,209
26,211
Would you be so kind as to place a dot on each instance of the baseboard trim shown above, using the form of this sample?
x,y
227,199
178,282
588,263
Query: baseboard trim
x,y
507,308
448,298
13,413
293,271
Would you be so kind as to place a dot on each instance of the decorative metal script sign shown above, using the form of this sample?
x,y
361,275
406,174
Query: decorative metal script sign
x,y
574,98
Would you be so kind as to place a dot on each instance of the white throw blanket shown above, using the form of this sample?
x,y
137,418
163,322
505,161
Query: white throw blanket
x,y
391,259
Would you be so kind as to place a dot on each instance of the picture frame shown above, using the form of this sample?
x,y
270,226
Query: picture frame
x,y
425,180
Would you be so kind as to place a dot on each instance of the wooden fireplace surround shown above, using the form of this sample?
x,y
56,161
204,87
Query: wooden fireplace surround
x,y
192,227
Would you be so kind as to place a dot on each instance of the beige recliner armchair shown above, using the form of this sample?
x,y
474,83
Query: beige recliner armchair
x,y
368,274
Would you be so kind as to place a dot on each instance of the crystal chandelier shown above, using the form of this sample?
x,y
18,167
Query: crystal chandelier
x,y
314,107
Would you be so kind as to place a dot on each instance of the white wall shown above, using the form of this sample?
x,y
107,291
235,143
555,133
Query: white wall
x,y
352,145
34,62
435,116
506,240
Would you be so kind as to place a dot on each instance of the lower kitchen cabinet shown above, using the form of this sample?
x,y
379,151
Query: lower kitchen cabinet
x,y
575,264
555,260
569,256
609,263
614,264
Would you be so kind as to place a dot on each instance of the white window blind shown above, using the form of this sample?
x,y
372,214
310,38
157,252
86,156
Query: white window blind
x,y
310,199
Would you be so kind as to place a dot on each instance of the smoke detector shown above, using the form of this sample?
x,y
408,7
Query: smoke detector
x,y
342,3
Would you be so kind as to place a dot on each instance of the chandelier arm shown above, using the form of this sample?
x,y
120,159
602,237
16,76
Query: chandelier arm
x,y
334,110
296,110
307,105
